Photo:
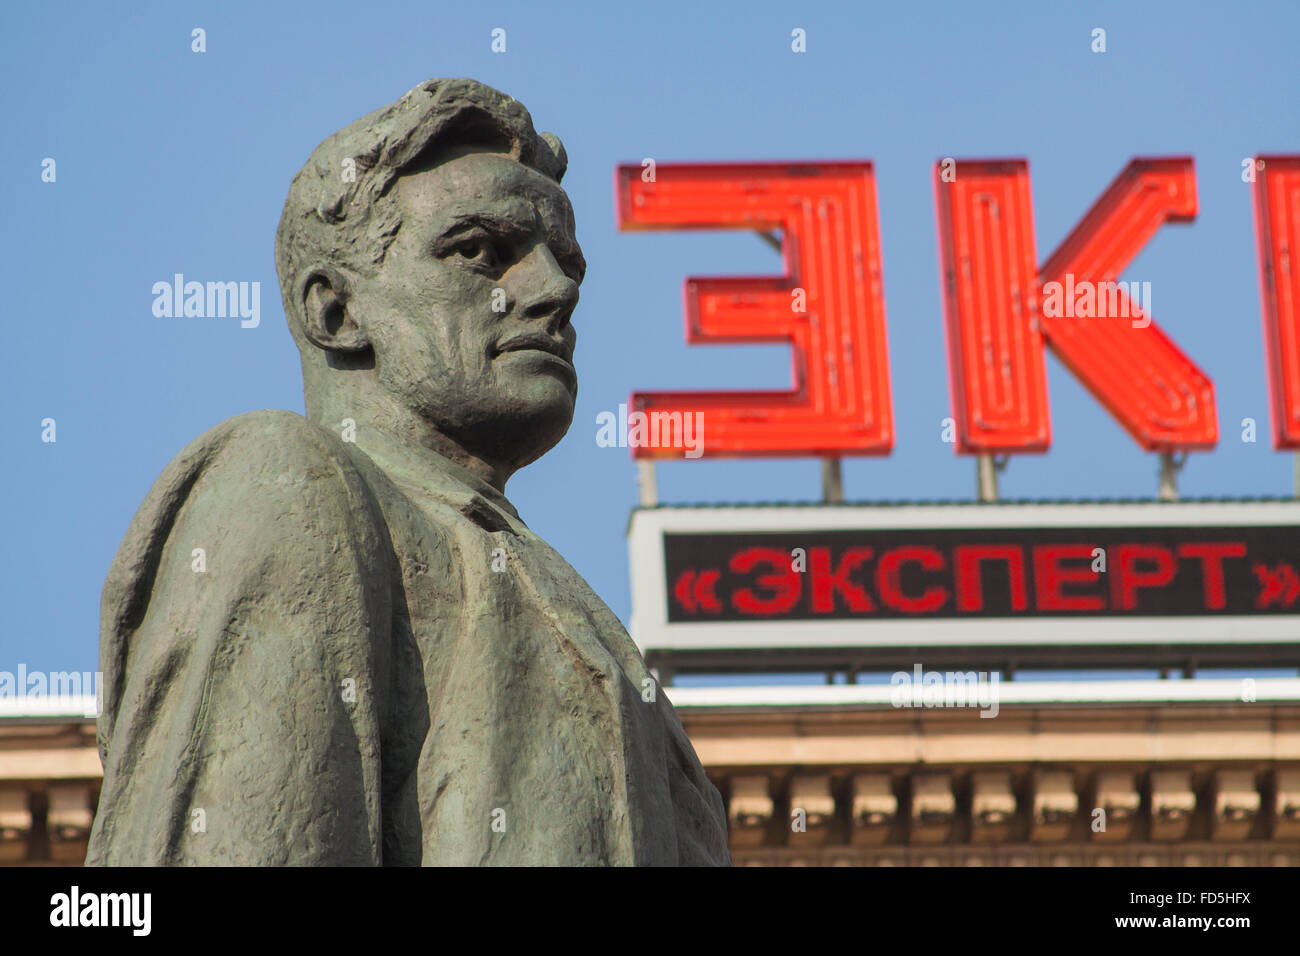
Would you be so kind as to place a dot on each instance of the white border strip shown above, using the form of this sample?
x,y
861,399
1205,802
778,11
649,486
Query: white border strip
x,y
63,705
1204,690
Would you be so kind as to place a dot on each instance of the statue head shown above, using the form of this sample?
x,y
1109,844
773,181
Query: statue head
x,y
429,270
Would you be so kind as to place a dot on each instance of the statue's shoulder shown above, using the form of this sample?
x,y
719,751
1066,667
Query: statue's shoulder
x,y
267,436
267,451
259,467
269,485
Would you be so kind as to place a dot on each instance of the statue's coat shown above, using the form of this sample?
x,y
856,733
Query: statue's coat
x,y
349,681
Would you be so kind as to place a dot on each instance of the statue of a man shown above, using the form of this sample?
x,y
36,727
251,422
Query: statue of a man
x,y
331,639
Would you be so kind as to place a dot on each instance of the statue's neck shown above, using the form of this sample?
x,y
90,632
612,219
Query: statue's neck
x,y
419,466
390,431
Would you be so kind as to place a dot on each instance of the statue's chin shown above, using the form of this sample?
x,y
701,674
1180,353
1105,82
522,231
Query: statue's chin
x,y
518,432
532,435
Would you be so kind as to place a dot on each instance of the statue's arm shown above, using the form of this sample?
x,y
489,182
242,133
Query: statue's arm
x,y
246,685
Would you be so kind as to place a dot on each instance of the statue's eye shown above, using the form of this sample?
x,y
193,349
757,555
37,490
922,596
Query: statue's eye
x,y
479,250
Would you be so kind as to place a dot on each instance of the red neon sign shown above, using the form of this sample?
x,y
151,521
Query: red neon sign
x,y
1277,225
829,305
996,304
997,374
1136,371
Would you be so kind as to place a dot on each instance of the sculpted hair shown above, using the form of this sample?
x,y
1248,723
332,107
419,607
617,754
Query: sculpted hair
x,y
341,212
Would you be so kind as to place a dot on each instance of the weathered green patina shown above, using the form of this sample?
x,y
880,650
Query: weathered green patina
x,y
373,660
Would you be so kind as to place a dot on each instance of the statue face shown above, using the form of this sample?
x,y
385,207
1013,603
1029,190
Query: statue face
x,y
469,316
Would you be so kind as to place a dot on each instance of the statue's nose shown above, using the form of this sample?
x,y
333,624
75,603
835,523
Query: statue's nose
x,y
553,294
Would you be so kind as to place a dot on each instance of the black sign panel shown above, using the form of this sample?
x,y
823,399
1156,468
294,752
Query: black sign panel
x,y
982,573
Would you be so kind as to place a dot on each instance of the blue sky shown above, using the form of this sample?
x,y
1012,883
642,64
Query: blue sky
x,y
172,161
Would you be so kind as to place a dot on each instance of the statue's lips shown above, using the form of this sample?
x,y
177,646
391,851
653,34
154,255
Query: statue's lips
x,y
537,343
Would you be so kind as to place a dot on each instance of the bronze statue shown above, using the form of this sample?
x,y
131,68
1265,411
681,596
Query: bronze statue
x,y
331,639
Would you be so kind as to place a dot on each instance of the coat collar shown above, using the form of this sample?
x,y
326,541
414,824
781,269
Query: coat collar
x,y
425,473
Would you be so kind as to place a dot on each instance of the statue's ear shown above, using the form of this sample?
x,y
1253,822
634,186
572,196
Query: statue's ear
x,y
560,159
330,319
